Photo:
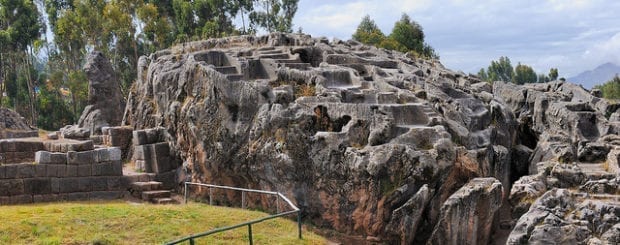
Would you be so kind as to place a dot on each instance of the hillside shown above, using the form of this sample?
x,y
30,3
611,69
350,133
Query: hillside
x,y
597,76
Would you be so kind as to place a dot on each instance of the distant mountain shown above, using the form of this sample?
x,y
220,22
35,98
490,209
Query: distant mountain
x,y
599,75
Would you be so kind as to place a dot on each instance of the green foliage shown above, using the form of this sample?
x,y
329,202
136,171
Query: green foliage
x,y
274,15
407,36
500,70
553,74
123,30
524,74
368,32
542,78
610,89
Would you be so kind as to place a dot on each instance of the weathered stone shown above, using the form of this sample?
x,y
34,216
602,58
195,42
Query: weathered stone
x,y
72,171
43,157
69,185
45,198
85,170
115,183
55,185
21,199
80,158
99,183
104,95
40,170
37,186
467,216
25,170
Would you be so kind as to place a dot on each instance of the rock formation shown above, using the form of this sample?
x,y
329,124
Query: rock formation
x,y
105,99
368,141
13,125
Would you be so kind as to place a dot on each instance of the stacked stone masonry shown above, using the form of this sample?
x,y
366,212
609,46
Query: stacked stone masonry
x,y
151,154
70,175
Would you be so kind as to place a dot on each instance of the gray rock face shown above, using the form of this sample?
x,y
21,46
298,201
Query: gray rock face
x,y
104,95
366,141
13,125
561,216
467,216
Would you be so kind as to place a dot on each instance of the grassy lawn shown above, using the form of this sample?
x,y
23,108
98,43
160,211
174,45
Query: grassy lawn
x,y
129,223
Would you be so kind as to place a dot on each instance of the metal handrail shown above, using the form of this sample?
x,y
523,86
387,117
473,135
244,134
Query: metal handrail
x,y
249,223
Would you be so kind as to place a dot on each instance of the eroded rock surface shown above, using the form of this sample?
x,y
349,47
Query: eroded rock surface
x,y
13,125
367,141
104,96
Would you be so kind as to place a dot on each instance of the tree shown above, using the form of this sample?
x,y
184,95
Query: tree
x,y
274,15
542,78
553,74
610,89
524,74
500,70
20,26
483,75
368,32
409,34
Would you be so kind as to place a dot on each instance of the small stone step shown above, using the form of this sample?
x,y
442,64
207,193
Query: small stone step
x,y
234,77
226,69
165,200
151,195
298,66
274,56
287,61
273,51
146,186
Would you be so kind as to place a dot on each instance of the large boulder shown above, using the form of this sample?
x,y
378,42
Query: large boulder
x,y
105,99
467,216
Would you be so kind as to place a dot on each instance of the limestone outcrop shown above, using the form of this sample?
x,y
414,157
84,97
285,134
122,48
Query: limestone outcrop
x,y
367,141
13,125
105,100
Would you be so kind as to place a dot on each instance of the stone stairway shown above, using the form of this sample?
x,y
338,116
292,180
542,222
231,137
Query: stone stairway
x,y
151,191
283,58
595,171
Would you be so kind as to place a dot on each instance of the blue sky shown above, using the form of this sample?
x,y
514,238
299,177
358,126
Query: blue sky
x,y
572,35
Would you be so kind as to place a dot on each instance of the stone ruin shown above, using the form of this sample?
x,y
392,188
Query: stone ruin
x,y
84,161
372,143
105,100
380,145
13,125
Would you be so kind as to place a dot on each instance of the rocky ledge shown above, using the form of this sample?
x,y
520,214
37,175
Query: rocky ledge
x,y
375,143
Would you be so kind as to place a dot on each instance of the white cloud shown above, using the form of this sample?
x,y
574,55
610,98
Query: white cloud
x,y
606,51
572,35
568,5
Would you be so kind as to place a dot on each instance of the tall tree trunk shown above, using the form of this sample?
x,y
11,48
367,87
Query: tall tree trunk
x,y
30,92
1,79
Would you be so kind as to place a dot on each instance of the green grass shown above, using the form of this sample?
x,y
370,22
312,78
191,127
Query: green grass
x,y
127,223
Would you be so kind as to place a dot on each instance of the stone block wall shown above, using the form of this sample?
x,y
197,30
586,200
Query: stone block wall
x,y
10,134
15,151
57,176
152,154
120,137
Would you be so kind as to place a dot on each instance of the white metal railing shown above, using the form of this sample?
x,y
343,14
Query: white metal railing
x,y
249,224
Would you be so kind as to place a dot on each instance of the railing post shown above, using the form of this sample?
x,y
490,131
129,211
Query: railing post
x,y
191,241
250,234
185,193
277,204
211,196
243,200
299,222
